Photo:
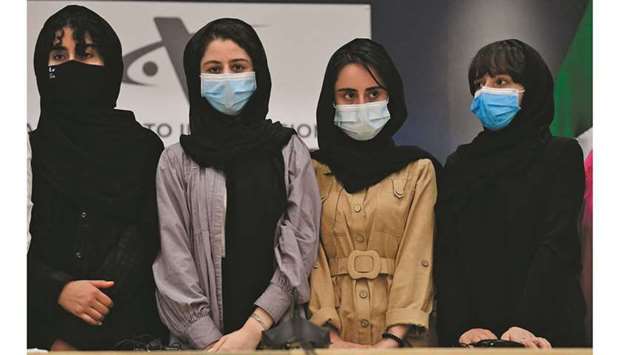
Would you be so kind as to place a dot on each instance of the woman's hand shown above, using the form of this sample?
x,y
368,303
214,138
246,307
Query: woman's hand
x,y
84,300
386,344
246,338
475,335
61,345
338,343
526,338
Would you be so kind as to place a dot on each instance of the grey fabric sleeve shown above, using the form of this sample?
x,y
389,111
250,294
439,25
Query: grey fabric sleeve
x,y
183,305
297,233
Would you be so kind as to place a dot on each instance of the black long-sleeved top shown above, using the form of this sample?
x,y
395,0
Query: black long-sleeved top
x,y
509,254
70,242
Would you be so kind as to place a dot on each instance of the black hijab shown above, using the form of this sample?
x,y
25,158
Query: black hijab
x,y
217,139
510,150
360,164
248,148
88,151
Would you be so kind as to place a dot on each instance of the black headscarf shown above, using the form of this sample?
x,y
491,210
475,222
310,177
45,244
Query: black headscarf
x,y
248,148
217,139
360,164
494,212
90,152
512,149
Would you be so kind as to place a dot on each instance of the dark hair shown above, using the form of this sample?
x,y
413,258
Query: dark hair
x,y
501,57
82,21
235,30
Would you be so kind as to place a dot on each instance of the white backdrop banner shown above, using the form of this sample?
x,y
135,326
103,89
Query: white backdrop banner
x,y
298,39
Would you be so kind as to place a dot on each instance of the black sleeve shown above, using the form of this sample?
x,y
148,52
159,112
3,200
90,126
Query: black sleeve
x,y
451,288
44,284
552,304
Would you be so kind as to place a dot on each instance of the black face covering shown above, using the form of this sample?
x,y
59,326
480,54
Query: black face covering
x,y
76,83
360,164
94,155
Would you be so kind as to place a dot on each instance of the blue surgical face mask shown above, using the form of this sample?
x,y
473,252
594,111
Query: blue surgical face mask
x,y
228,93
364,121
496,107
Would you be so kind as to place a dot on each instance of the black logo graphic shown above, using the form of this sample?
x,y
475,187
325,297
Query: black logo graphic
x,y
174,35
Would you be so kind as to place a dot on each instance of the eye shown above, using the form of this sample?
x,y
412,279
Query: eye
x,y
349,95
373,94
214,70
501,82
238,68
58,55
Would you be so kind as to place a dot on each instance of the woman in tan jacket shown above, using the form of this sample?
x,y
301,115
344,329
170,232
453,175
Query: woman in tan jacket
x,y
372,283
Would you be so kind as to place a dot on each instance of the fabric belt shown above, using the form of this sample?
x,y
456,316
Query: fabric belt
x,y
361,265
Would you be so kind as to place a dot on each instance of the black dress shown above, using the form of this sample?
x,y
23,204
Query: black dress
x,y
508,250
72,242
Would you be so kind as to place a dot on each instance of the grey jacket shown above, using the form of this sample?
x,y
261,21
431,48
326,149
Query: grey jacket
x,y
192,211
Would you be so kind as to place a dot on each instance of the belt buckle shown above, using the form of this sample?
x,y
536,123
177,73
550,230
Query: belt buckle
x,y
364,264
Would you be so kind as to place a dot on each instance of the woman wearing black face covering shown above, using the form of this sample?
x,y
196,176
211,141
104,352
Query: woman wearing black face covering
x,y
238,201
94,224
508,248
373,282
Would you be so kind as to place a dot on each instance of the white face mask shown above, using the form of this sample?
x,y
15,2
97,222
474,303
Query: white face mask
x,y
364,121
228,93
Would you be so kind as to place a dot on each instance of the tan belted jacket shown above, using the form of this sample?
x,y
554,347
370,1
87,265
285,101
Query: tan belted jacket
x,y
375,263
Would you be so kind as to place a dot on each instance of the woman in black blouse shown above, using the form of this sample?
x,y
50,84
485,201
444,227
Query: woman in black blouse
x,y
508,252
94,224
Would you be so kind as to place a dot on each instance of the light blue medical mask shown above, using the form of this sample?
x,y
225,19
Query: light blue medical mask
x,y
228,93
362,122
496,107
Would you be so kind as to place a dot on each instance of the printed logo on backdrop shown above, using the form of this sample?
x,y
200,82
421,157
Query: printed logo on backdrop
x,y
174,35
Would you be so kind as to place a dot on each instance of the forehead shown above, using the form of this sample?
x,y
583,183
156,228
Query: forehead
x,y
224,50
355,75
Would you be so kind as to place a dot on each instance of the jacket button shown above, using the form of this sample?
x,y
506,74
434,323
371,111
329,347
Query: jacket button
x,y
364,323
357,208
83,214
78,255
425,263
363,294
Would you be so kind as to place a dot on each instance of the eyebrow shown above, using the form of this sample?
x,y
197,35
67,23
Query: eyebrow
x,y
59,46
232,61
367,89
87,45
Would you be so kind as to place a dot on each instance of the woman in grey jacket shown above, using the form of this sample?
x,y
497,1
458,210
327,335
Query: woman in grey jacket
x,y
238,202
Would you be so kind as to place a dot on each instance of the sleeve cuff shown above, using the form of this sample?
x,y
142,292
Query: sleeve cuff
x,y
274,301
326,315
406,316
203,333
55,284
